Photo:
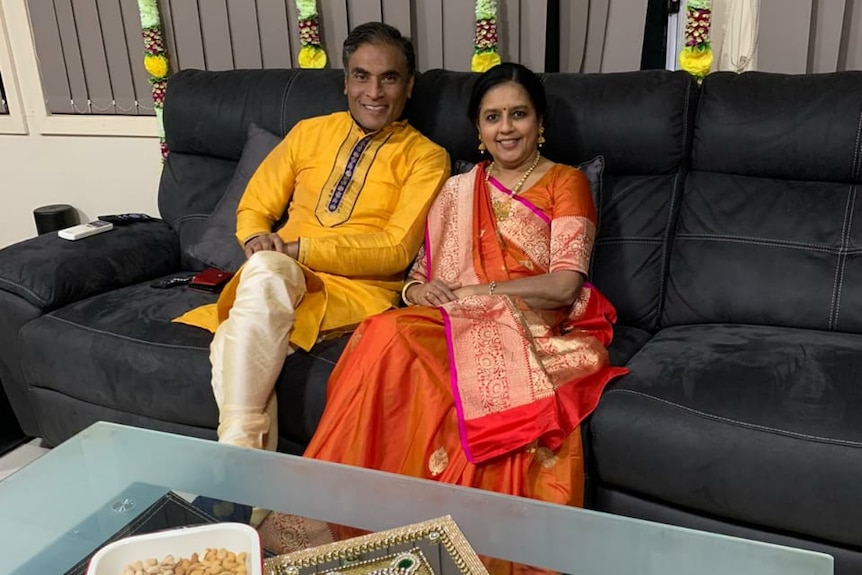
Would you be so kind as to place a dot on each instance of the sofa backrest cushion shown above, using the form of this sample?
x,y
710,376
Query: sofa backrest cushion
x,y
207,116
208,113
639,121
768,229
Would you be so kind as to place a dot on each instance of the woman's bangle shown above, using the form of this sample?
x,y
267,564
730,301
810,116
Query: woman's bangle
x,y
491,287
406,287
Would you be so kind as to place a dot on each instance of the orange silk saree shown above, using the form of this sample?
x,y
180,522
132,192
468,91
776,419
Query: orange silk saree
x,y
484,391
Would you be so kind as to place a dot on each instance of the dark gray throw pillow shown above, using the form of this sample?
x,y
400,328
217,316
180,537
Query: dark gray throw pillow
x,y
217,246
593,170
461,167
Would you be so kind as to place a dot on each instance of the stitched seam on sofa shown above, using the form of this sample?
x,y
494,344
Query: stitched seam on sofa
x,y
124,337
698,110
855,171
844,442
685,115
321,358
842,259
839,260
765,242
189,217
284,97
26,290
628,240
664,270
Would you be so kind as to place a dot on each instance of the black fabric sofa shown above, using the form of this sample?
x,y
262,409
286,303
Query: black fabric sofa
x,y
729,243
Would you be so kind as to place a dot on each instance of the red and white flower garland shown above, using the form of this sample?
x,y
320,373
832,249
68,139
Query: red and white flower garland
x,y
155,61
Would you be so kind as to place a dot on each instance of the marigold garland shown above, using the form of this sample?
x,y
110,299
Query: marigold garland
x,y
155,61
311,55
696,56
485,54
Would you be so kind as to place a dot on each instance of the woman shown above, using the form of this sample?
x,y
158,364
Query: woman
x,y
485,377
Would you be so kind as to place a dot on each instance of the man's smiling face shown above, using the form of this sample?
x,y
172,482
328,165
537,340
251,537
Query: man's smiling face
x,y
377,85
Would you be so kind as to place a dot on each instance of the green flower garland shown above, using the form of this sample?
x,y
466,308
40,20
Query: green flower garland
x,y
155,61
311,55
485,54
696,56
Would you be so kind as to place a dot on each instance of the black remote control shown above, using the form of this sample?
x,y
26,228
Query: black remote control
x,y
171,282
125,219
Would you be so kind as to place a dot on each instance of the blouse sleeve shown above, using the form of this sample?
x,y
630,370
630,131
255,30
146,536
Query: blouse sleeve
x,y
573,228
419,271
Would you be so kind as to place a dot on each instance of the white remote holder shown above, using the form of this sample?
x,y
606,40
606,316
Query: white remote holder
x,y
85,230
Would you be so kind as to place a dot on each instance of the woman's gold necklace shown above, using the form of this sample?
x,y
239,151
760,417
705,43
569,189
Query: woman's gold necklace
x,y
502,209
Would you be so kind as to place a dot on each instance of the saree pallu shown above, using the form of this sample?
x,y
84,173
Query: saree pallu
x,y
483,392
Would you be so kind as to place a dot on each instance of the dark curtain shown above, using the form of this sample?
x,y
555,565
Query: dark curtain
x,y
654,51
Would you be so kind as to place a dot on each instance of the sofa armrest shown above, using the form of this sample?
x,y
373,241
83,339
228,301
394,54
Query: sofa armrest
x,y
50,272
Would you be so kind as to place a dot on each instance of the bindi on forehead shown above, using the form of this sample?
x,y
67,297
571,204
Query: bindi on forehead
x,y
513,108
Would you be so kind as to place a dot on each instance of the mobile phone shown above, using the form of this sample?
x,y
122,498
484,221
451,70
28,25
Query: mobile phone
x,y
167,283
211,280
126,219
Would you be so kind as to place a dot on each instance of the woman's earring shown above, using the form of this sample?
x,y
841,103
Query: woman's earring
x,y
482,147
541,136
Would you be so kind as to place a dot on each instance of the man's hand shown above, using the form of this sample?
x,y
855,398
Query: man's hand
x,y
434,293
270,243
263,243
292,249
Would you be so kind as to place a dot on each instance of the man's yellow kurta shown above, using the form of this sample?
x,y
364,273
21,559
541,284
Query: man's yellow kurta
x,y
356,203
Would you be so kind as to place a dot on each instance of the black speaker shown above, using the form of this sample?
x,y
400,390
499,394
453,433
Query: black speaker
x,y
55,217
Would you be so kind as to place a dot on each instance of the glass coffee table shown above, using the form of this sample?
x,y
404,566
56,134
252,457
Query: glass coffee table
x,y
64,505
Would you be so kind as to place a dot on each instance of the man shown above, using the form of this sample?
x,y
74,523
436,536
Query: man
x,y
357,186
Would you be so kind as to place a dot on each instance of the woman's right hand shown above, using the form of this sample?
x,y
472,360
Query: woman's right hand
x,y
434,293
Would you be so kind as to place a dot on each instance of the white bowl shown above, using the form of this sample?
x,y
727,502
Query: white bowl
x,y
112,559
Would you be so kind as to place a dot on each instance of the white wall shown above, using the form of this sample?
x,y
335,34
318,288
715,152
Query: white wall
x,y
95,174
45,160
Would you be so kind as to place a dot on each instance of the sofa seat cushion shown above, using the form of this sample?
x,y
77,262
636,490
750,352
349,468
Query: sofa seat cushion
x,y
126,354
121,350
753,424
627,341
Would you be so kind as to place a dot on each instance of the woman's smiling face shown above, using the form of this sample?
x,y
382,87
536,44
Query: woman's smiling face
x,y
509,125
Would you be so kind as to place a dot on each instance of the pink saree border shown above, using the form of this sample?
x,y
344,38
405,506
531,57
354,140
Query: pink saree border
x,y
427,254
453,382
527,203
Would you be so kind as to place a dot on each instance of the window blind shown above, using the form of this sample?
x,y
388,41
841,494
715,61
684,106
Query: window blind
x,y
90,52
4,109
90,56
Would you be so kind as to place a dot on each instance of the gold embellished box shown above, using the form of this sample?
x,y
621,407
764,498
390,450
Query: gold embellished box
x,y
434,547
